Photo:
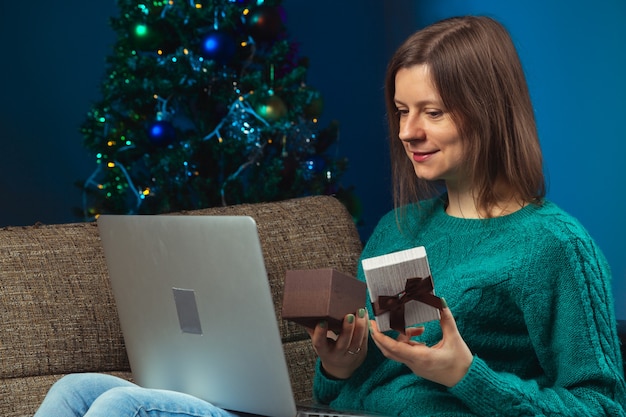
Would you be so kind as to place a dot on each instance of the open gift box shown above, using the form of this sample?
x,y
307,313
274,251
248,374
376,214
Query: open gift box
x,y
401,289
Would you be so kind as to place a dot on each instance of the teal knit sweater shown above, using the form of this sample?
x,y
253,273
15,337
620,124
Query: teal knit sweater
x,y
531,296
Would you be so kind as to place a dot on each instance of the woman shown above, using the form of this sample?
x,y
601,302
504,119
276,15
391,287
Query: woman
x,y
533,331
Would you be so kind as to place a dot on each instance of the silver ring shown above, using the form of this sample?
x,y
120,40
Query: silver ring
x,y
355,352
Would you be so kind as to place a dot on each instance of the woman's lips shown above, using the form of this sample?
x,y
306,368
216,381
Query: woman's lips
x,y
422,156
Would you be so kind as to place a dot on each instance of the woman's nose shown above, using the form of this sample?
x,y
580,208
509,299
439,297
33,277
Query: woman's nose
x,y
411,128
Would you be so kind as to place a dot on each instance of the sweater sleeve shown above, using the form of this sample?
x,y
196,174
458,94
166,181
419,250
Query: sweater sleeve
x,y
326,390
569,314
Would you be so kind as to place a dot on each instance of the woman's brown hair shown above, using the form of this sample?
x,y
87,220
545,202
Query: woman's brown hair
x,y
479,76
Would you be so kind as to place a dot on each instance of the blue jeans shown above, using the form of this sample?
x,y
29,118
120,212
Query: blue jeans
x,y
100,395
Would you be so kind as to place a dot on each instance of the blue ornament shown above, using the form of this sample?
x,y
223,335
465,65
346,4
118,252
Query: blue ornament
x,y
161,133
218,46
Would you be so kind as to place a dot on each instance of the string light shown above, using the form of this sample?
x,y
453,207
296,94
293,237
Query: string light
x,y
141,30
240,105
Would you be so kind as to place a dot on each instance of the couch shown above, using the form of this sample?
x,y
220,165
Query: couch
x,y
58,314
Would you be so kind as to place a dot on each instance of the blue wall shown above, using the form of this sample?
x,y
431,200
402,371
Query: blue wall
x,y
53,57
347,44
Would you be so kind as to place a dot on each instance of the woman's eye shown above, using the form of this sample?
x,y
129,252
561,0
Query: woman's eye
x,y
401,112
434,113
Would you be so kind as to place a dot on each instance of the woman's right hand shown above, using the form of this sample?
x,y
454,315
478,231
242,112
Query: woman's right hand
x,y
341,357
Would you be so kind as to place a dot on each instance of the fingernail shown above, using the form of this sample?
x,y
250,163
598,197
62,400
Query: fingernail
x,y
322,324
350,318
361,313
444,304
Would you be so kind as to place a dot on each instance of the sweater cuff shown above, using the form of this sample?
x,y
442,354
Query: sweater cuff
x,y
482,386
326,389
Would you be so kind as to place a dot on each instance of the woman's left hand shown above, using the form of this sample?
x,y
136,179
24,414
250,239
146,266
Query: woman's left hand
x,y
446,363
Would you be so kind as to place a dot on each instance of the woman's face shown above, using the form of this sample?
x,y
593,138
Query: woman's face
x,y
428,134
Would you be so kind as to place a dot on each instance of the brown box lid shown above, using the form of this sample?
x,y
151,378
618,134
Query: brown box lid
x,y
313,295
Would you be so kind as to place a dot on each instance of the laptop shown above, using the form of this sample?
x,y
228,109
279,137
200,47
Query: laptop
x,y
196,311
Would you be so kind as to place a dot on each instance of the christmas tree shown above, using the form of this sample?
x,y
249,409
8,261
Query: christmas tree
x,y
205,103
